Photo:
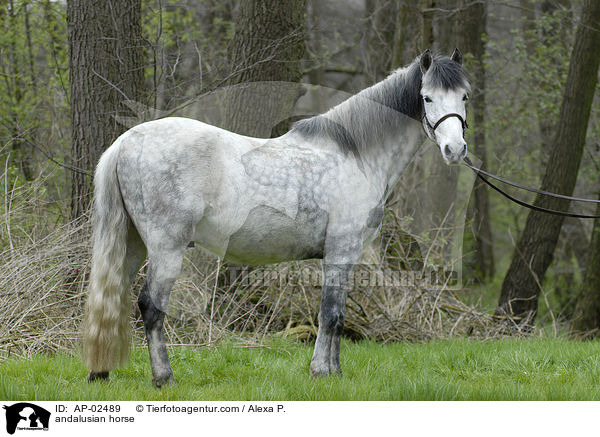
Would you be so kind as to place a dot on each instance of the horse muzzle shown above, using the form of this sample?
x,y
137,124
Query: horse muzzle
x,y
454,154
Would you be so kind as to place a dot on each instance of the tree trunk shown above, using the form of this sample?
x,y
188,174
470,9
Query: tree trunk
x,y
380,35
547,37
442,179
16,89
534,251
428,16
527,23
314,37
473,17
106,70
268,45
408,34
586,320
394,36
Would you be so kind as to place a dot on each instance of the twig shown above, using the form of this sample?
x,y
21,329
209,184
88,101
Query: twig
x,y
212,306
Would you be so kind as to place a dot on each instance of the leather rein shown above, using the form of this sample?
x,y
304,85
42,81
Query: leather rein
x,y
481,174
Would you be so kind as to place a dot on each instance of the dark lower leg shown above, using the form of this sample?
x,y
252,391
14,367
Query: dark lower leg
x,y
326,357
153,326
97,376
334,356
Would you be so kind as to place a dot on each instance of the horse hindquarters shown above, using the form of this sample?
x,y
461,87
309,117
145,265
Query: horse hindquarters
x,y
161,178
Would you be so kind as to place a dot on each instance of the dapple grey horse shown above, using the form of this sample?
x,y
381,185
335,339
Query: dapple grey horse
x,y
316,192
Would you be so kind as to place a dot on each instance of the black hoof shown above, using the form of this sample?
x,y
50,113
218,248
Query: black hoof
x,y
97,376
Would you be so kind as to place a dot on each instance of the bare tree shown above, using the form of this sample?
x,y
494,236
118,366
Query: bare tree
x,y
586,320
393,35
268,45
472,18
442,180
378,54
16,82
106,69
535,248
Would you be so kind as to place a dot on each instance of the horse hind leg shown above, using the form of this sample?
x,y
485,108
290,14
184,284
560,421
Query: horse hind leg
x,y
163,268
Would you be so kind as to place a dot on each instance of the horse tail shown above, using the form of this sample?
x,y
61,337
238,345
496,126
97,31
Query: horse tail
x,y
106,335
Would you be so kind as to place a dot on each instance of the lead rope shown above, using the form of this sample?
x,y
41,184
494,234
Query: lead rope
x,y
480,174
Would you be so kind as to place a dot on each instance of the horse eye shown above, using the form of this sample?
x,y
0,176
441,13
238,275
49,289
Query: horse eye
x,y
427,99
465,98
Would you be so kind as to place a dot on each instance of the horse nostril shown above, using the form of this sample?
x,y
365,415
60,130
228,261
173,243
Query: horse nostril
x,y
463,151
447,151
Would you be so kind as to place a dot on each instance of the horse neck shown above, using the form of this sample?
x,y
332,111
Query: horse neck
x,y
387,158
387,131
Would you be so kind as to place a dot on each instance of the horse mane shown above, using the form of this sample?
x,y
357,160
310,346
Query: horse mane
x,y
367,116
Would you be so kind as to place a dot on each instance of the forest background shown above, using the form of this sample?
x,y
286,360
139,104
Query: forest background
x,y
75,75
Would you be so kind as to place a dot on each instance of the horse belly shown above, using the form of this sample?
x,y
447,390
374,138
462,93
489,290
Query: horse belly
x,y
270,236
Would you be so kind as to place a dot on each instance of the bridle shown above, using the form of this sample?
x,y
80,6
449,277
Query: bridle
x,y
431,129
480,174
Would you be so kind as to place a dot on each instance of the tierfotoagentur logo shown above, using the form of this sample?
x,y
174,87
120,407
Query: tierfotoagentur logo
x,y
26,417
373,276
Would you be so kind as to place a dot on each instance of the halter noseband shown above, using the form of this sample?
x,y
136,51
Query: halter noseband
x,y
432,129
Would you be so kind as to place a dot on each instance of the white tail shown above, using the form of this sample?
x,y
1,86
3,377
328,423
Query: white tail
x,y
106,336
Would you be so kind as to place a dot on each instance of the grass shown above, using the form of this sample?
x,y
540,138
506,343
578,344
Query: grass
x,y
507,369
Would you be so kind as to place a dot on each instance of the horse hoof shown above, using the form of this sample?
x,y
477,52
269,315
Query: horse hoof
x,y
319,370
325,370
97,376
162,381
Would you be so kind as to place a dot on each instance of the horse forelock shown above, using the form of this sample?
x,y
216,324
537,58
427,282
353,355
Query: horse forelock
x,y
446,74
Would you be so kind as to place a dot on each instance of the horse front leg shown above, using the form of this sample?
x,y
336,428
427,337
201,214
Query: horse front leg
x,y
337,281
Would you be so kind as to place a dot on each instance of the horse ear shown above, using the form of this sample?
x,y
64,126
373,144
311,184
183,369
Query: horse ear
x,y
425,61
457,56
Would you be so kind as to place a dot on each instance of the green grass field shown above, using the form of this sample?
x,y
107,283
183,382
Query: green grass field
x,y
509,369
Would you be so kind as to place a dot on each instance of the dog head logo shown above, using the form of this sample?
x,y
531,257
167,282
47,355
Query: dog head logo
x,y
26,416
